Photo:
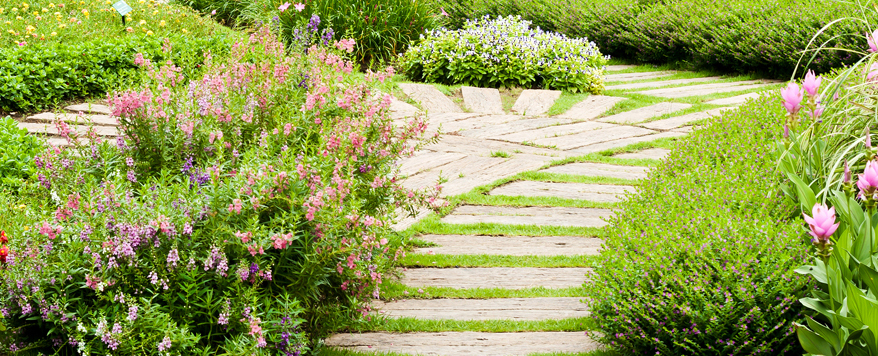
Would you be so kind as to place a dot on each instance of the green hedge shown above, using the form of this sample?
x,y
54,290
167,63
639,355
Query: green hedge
x,y
737,35
701,261
34,77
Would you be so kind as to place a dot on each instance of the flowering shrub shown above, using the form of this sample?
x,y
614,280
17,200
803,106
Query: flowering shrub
x,y
17,151
506,52
246,211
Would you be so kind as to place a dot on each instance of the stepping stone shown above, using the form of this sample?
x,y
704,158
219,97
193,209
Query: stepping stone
x,y
604,193
593,137
652,153
49,129
618,67
70,119
478,122
482,100
466,343
486,309
685,129
626,141
735,100
683,120
600,170
400,109
90,108
535,102
427,160
661,83
702,89
645,113
514,126
497,277
506,168
628,77
552,131
511,245
590,108
431,99
542,216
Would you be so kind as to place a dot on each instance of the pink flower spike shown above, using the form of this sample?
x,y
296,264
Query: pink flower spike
x,y
443,11
873,42
867,182
821,222
792,97
299,7
815,114
284,7
811,83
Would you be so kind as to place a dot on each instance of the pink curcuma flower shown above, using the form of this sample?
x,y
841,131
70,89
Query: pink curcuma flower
x,y
868,180
873,41
284,7
821,222
299,7
811,83
792,98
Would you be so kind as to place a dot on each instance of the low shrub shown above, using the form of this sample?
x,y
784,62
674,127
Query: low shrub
x,y
17,152
701,261
245,211
506,52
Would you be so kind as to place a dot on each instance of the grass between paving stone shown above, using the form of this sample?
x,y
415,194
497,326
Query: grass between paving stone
x,y
508,96
408,325
431,224
565,102
392,290
331,351
451,261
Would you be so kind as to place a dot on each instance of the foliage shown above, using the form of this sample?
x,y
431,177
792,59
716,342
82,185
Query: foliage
x,y
738,35
381,28
701,261
17,152
506,52
33,77
245,211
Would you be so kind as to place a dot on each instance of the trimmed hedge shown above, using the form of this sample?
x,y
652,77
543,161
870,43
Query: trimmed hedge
x,y
701,261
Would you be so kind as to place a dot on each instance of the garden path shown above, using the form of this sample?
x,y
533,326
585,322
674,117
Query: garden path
x,y
482,143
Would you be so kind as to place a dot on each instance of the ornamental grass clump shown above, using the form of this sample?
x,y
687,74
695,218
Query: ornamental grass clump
x,y
506,52
245,211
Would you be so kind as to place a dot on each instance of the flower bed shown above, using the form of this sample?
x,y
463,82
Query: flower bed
x,y
506,52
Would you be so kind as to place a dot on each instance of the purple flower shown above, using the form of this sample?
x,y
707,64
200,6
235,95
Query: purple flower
x,y
132,177
821,222
313,23
811,83
792,97
846,178
132,313
165,344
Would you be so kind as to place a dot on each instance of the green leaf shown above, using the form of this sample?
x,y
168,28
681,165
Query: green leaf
x,y
812,342
807,199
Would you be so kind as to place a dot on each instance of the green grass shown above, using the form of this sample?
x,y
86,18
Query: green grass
x,y
407,325
447,261
432,225
394,290
500,154
565,102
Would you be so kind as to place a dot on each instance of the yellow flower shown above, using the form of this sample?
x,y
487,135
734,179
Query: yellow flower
x,y
142,22
155,12
11,31
51,5
149,33
85,12
25,5
26,228
109,2
18,17
30,29
63,25
1,10
45,10
141,1
184,31
162,23
54,33
14,9
8,22
36,13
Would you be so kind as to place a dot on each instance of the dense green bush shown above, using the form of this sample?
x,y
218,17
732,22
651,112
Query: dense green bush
x,y
246,211
701,261
33,77
506,52
17,152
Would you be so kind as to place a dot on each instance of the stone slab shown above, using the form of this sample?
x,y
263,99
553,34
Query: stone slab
x,y
482,147
511,245
535,102
645,113
542,216
431,99
618,67
486,309
425,160
652,153
684,129
581,139
478,122
496,277
604,193
70,119
735,100
626,141
523,124
554,131
592,107
600,170
703,89
682,120
628,77
506,168
661,83
482,100
400,109
49,129
90,108
466,343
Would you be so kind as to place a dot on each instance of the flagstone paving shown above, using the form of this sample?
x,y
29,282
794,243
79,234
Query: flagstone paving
x,y
605,193
628,77
600,170
533,215
486,309
535,102
652,153
496,277
644,113
660,83
510,245
482,100
465,343
682,120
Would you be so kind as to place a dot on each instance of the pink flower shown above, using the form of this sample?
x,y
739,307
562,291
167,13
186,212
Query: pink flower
x,y
822,222
284,7
873,72
815,114
868,180
811,83
299,7
792,97
873,41
443,11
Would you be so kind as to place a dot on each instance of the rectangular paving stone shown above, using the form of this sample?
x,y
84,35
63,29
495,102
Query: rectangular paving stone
x,y
506,168
652,153
90,108
482,100
466,343
618,67
49,129
626,141
478,122
485,309
604,193
482,147
511,245
661,83
682,120
522,124
735,100
466,166
553,131
535,102
400,109
703,89
600,170
543,216
581,139
644,113
70,119
427,160
627,77
592,107
496,277
431,99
